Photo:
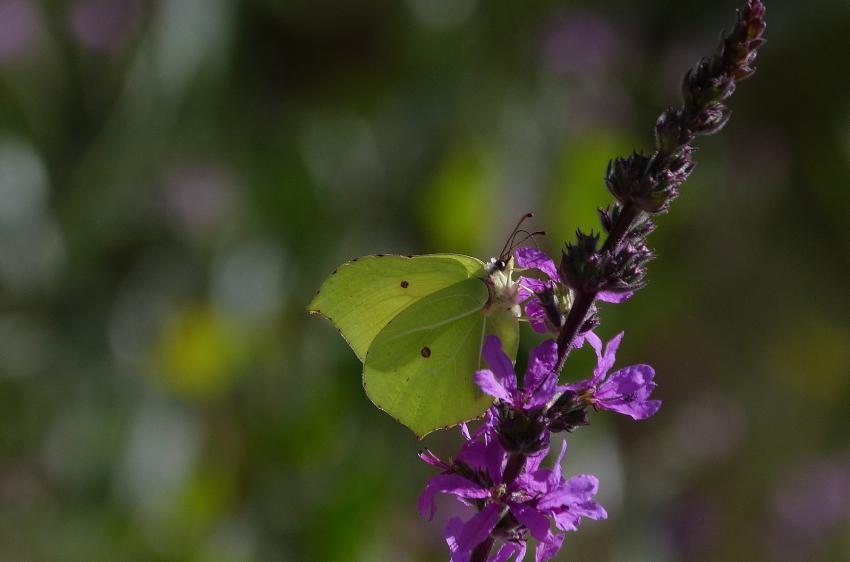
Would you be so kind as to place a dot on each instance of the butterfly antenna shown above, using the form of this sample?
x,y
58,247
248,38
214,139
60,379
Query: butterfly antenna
x,y
512,236
528,236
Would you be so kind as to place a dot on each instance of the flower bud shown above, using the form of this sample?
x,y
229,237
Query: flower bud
x,y
520,431
580,263
712,118
671,131
567,413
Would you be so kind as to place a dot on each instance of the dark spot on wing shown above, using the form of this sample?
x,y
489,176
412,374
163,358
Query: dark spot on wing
x,y
426,352
405,284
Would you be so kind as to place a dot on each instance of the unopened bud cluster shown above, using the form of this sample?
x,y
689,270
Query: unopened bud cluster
x,y
644,185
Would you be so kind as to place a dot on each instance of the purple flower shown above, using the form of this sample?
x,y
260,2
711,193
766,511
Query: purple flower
x,y
532,258
531,288
500,380
528,505
547,297
625,391
478,466
550,496
614,297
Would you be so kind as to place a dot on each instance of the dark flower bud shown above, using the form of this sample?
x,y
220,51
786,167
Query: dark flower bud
x,y
624,269
648,182
739,46
520,431
657,195
569,421
713,79
551,307
702,85
682,165
508,528
567,413
671,131
642,228
608,216
712,118
580,263
591,321
625,176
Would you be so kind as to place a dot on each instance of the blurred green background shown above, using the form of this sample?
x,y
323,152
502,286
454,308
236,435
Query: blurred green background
x,y
177,178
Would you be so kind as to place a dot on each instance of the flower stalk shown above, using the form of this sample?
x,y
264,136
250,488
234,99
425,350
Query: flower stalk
x,y
647,185
498,468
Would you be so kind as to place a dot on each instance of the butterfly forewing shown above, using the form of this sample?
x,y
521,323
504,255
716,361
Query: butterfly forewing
x,y
363,295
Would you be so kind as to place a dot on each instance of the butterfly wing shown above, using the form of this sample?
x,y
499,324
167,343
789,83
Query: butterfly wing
x,y
363,295
419,367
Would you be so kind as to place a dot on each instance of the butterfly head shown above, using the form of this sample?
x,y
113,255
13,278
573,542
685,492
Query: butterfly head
x,y
504,289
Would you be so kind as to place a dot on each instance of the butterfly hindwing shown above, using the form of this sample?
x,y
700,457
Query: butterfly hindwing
x,y
419,368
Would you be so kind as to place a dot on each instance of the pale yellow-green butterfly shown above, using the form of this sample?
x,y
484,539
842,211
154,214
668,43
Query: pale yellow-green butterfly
x,y
418,324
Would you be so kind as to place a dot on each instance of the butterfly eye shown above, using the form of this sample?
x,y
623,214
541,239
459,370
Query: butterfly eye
x,y
501,265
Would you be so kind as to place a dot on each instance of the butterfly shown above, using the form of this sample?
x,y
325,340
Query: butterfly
x,y
418,324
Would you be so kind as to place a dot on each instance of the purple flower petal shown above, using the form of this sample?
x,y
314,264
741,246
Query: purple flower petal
x,y
532,483
537,523
536,316
577,387
528,286
561,455
635,410
589,509
543,393
500,364
557,476
595,342
549,548
610,355
541,365
532,258
627,380
495,460
477,529
640,373
452,532
473,454
566,520
447,484
507,550
428,456
490,384
612,297
520,555
576,489
627,392
583,485
532,463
